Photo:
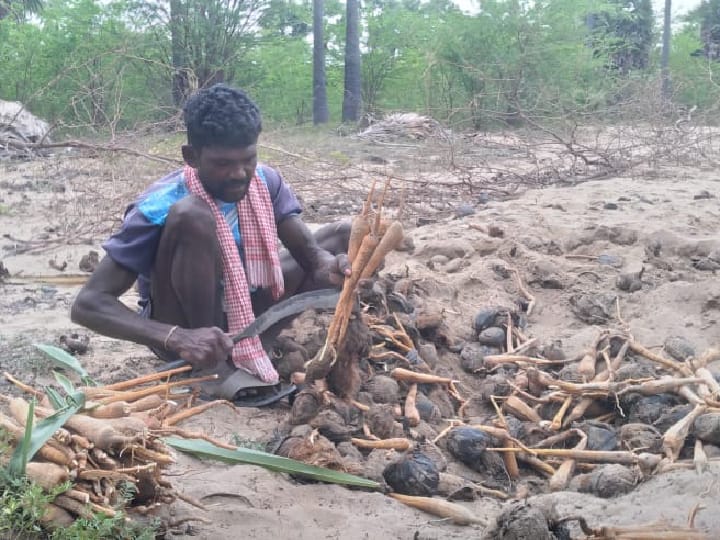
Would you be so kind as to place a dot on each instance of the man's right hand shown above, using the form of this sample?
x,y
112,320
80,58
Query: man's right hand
x,y
202,347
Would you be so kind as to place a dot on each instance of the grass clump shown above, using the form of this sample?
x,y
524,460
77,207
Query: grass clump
x,y
22,506
106,528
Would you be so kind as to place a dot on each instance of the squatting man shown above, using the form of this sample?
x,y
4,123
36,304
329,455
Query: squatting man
x,y
201,243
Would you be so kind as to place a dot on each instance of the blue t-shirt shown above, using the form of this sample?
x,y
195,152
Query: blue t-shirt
x,y
135,245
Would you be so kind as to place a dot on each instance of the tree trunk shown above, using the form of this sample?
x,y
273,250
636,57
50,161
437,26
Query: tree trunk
x,y
352,100
665,58
96,93
180,84
19,8
320,106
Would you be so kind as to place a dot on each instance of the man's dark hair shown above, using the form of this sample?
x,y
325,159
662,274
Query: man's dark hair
x,y
222,116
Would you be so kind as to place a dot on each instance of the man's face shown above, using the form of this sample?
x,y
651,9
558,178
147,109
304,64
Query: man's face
x,y
224,172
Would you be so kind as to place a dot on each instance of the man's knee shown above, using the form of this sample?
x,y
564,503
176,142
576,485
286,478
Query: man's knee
x,y
343,234
193,217
342,228
334,237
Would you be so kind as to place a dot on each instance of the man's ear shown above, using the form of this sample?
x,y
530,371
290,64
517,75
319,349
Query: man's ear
x,y
191,155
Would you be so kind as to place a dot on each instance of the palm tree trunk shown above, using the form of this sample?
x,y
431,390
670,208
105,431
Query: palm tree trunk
x,y
320,106
179,58
665,57
352,100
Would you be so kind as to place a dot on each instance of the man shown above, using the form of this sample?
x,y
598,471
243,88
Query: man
x,y
202,245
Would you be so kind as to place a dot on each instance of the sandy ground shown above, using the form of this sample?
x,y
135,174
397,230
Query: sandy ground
x,y
561,240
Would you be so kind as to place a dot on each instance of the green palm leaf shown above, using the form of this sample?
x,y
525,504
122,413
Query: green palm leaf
x,y
201,448
66,361
54,397
38,435
21,455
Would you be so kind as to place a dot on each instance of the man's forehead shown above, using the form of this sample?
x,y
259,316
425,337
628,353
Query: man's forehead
x,y
229,152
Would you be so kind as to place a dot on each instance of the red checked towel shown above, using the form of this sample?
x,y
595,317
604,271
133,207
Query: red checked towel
x,y
259,234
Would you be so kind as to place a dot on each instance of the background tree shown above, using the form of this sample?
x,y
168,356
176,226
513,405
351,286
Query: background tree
x,y
399,36
116,64
208,38
320,106
707,15
286,19
623,31
352,96
665,60
18,8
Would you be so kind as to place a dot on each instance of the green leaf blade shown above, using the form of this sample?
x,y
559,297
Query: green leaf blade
x,y
20,457
54,397
65,360
205,449
37,436
64,382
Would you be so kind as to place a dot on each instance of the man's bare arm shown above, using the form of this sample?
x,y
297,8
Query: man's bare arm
x,y
98,308
300,242
322,267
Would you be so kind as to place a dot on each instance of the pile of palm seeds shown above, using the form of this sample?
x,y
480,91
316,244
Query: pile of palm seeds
x,y
531,421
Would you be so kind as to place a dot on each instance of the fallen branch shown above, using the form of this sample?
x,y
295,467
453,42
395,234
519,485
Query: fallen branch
x,y
94,147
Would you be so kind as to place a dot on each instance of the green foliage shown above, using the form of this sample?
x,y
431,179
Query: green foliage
x,y
695,77
707,18
81,64
17,9
65,360
622,31
22,506
110,65
102,527
396,39
280,78
516,59
287,19
208,38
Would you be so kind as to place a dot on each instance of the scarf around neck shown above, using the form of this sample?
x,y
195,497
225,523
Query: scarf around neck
x,y
262,266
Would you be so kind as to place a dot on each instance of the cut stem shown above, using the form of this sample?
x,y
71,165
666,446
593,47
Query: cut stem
x,y
592,456
158,389
187,413
152,377
400,444
665,362
405,375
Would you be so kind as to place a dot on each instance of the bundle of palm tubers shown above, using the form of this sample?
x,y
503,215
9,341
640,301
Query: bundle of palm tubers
x,y
109,453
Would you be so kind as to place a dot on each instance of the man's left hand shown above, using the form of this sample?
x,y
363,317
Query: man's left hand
x,y
331,270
